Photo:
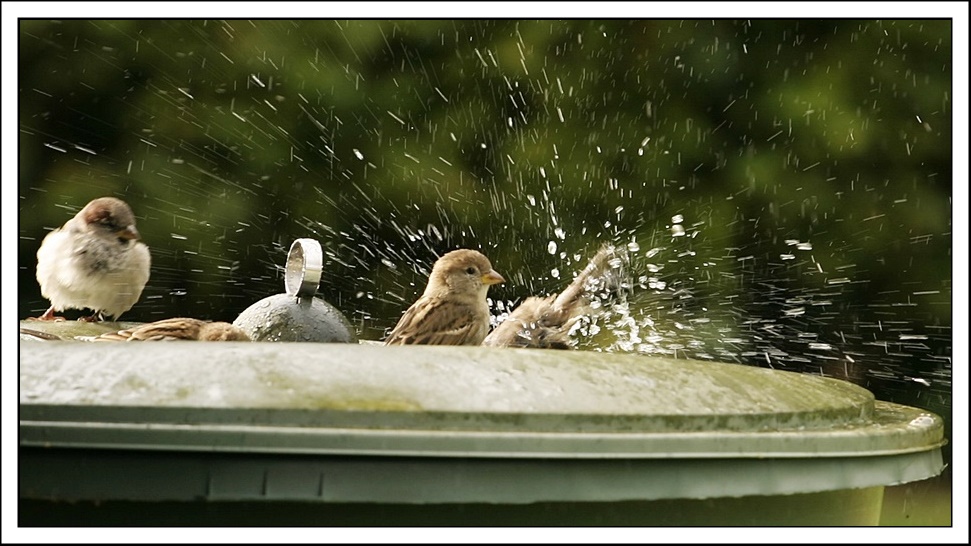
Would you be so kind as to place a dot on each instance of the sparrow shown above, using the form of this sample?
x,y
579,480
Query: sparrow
x,y
31,334
453,309
547,323
94,261
174,329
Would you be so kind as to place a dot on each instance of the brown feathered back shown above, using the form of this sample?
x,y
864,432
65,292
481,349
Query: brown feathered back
x,y
181,328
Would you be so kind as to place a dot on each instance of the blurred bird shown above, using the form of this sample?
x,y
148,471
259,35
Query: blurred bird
x,y
547,323
453,309
94,261
175,329
32,334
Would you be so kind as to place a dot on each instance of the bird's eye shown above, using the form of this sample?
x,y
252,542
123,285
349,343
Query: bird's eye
x,y
470,270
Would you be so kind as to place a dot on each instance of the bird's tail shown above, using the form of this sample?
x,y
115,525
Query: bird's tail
x,y
604,275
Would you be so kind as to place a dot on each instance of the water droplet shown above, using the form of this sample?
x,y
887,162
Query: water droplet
x,y
922,421
551,248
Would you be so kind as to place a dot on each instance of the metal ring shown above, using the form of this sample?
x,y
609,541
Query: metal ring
x,y
305,262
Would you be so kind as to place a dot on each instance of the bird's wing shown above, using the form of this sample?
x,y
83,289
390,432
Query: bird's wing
x,y
434,321
603,272
535,323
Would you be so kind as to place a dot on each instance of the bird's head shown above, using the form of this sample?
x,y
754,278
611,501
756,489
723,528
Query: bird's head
x,y
463,271
110,217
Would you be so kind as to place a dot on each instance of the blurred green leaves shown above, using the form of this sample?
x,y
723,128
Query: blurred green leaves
x,y
390,141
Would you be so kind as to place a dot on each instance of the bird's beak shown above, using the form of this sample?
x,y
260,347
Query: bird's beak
x,y
492,278
129,233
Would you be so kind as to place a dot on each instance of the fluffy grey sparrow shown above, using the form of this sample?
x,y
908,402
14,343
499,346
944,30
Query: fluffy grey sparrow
x,y
547,323
181,328
94,261
453,309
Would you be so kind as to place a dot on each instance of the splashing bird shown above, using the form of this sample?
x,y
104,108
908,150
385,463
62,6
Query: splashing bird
x,y
547,323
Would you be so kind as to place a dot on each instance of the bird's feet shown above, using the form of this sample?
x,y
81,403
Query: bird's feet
x,y
48,316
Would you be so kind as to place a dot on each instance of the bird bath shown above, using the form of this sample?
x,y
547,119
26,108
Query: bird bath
x,y
357,434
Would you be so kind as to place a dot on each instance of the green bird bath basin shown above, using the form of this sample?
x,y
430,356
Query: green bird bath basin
x,y
188,433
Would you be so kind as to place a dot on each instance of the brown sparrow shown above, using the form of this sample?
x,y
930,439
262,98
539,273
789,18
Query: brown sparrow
x,y
547,323
181,328
94,261
453,309
30,333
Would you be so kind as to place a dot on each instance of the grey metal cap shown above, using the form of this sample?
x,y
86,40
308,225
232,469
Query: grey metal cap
x,y
295,318
297,315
